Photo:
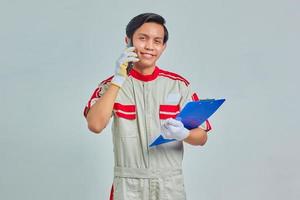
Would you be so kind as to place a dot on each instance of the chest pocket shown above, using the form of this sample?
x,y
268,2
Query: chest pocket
x,y
125,124
125,111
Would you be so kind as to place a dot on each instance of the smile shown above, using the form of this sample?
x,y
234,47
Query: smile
x,y
147,55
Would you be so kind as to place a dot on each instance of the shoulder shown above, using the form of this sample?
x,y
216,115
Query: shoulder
x,y
106,81
173,76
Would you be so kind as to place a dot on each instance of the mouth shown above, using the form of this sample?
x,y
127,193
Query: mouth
x,y
147,55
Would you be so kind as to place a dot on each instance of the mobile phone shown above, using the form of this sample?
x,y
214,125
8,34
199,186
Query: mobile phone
x,y
130,64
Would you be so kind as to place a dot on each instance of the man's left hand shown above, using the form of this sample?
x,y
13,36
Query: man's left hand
x,y
174,129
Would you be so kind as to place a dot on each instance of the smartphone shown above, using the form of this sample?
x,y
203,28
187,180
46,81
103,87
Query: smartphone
x,y
130,64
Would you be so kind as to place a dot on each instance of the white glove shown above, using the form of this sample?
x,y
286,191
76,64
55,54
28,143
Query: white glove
x,y
122,63
174,129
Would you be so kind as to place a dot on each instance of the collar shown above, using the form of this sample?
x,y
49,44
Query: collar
x,y
137,75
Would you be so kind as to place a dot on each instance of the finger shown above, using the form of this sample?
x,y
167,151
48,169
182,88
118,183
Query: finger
x,y
129,49
132,59
163,131
173,122
165,126
131,54
166,134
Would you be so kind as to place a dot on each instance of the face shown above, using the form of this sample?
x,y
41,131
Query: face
x,y
148,42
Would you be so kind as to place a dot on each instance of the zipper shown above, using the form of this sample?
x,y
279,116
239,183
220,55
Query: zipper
x,y
146,124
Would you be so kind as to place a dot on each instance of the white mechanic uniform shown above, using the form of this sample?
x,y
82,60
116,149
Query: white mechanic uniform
x,y
141,106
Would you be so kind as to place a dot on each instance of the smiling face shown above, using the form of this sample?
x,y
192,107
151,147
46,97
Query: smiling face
x,y
148,42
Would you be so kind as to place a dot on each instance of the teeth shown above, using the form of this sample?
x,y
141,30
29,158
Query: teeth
x,y
147,55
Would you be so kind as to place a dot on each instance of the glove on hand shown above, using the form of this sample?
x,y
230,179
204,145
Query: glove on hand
x,y
122,63
174,129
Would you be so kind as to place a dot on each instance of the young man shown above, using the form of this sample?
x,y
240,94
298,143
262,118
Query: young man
x,y
144,104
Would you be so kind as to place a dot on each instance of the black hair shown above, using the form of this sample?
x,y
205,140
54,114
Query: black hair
x,y
139,20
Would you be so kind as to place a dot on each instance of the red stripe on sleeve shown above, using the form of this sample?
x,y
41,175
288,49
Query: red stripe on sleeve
x,y
111,196
208,126
195,97
173,76
95,95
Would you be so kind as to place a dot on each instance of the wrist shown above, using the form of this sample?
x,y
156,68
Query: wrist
x,y
185,133
118,80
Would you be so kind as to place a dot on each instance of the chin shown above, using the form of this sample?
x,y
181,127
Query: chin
x,y
146,64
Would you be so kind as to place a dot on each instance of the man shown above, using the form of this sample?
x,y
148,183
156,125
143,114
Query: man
x,y
144,104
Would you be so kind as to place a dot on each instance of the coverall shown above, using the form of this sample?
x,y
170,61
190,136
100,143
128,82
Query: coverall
x,y
141,106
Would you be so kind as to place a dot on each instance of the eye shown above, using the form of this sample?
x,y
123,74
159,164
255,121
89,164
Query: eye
x,y
142,38
157,41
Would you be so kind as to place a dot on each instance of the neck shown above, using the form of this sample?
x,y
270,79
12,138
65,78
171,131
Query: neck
x,y
144,71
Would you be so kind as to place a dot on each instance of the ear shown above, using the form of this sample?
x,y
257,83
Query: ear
x,y
127,40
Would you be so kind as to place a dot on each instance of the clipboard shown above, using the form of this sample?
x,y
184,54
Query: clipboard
x,y
193,115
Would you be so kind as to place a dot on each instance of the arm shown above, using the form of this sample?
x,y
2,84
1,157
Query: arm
x,y
197,136
174,129
100,113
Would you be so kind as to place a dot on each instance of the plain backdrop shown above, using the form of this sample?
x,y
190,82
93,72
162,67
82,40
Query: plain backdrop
x,y
54,53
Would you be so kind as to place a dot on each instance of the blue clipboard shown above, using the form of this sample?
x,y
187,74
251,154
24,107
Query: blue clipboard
x,y
193,115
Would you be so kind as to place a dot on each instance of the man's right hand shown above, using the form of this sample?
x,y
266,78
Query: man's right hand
x,y
122,63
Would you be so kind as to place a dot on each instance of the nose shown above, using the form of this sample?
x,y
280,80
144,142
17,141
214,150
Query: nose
x,y
149,45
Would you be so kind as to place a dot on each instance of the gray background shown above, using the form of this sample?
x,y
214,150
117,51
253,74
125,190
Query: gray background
x,y
54,53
